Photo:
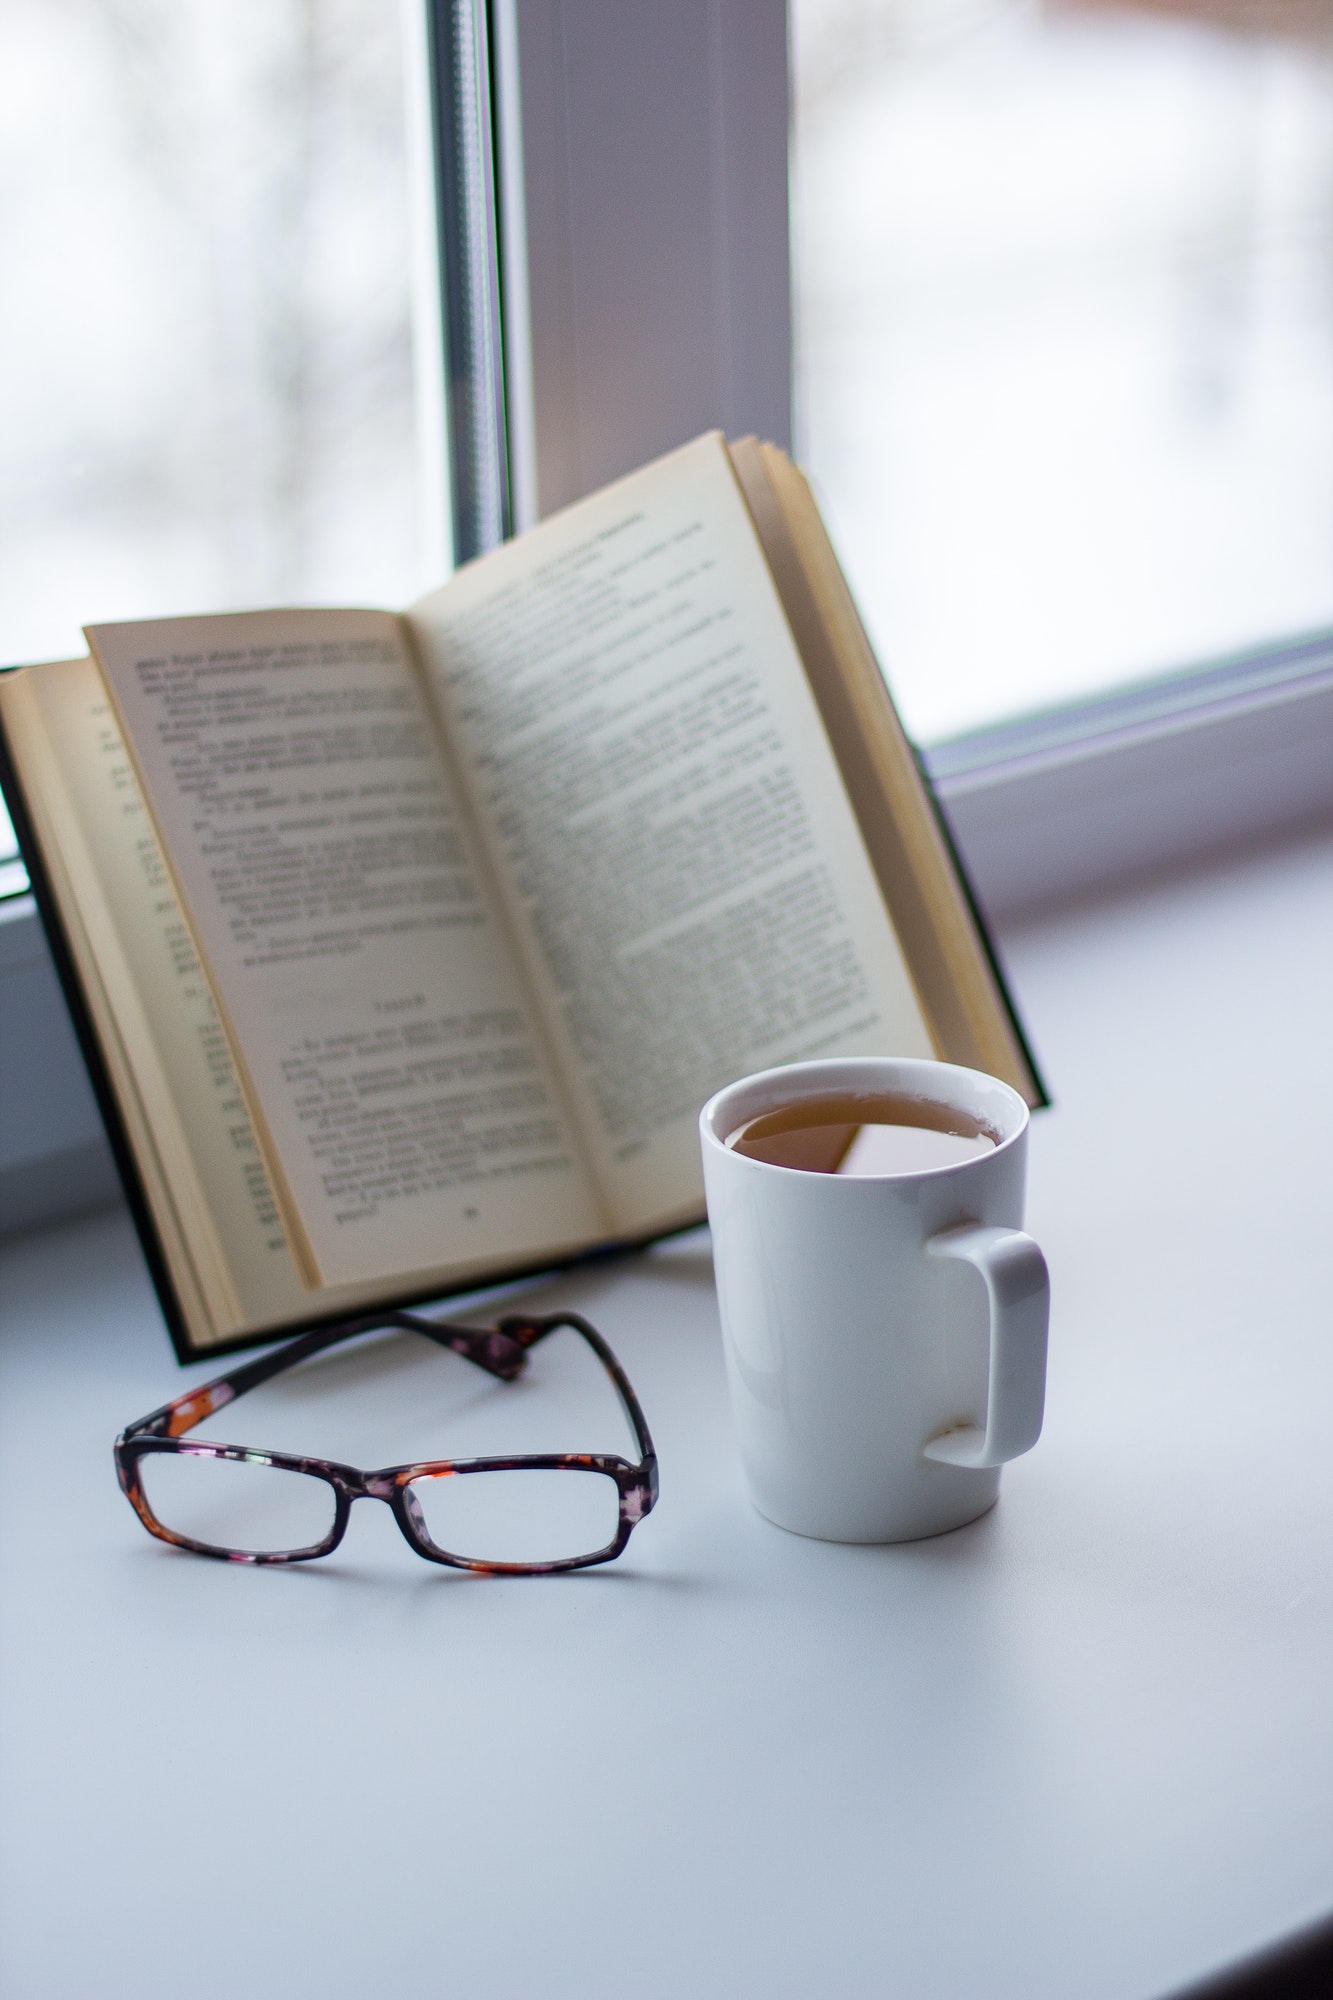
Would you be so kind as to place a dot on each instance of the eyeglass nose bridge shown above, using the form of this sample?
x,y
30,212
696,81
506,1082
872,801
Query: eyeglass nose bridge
x,y
381,1486
352,1485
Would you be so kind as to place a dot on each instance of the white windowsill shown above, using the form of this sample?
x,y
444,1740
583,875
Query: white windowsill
x,y
1094,1723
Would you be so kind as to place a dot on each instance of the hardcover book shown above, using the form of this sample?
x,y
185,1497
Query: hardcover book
x,y
405,948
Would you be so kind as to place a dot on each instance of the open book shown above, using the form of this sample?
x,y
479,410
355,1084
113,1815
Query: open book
x,y
406,948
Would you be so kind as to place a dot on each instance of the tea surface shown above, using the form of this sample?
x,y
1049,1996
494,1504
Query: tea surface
x,y
863,1135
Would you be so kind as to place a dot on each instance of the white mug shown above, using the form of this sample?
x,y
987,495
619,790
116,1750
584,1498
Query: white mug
x,y
885,1337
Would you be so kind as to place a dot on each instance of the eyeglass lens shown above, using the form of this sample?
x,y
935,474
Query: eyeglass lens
x,y
528,1515
239,1504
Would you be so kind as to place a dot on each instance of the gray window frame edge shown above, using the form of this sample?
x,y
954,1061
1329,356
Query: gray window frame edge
x,y
645,292
1101,794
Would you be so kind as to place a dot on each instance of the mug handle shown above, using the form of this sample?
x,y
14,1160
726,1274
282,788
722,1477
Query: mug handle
x,y
1019,1295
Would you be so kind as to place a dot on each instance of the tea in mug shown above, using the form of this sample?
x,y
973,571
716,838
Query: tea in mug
x,y
869,1135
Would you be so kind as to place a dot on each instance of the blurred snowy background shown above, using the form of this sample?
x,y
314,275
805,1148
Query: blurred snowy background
x,y
205,325
1065,324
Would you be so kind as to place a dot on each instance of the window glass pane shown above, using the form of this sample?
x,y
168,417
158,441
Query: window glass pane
x,y
1065,313
205,330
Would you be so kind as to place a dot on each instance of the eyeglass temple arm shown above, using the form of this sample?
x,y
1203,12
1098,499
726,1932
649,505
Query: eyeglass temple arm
x,y
529,1331
495,1349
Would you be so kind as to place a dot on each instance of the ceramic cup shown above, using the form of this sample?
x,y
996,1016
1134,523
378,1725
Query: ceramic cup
x,y
885,1337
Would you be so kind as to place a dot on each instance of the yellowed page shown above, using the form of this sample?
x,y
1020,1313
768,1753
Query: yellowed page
x,y
159,1005
658,798
161,1036
400,1094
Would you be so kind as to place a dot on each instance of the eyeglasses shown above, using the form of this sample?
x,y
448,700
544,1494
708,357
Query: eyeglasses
x,y
525,1516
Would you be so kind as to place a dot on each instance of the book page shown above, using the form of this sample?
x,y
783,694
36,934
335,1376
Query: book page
x,y
171,1062
398,1090
676,847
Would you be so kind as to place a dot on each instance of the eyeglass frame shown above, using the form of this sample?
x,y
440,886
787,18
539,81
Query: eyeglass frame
x,y
502,1350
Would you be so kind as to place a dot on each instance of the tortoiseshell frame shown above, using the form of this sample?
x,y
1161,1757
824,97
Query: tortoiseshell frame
x,y
501,1350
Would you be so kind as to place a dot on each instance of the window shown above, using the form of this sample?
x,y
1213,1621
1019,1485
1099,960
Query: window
x,y
1066,334
1060,444
1064,316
